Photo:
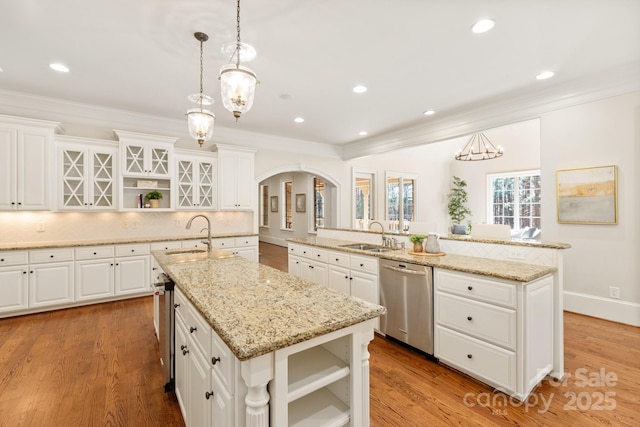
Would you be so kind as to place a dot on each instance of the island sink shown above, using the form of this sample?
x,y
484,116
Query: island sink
x,y
366,247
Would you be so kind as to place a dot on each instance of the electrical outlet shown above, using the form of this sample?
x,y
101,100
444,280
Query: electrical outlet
x,y
516,252
41,226
614,292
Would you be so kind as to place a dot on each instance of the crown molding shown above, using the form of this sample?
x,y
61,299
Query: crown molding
x,y
18,104
498,111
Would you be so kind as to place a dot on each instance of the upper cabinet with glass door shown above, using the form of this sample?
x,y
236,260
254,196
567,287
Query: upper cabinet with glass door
x,y
196,181
146,155
86,173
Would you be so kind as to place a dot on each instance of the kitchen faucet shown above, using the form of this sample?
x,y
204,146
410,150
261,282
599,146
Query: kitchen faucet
x,y
208,242
384,238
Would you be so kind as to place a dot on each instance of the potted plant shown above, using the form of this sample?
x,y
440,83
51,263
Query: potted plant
x,y
458,211
153,198
417,240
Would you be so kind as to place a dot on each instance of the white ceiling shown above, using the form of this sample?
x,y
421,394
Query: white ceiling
x,y
413,55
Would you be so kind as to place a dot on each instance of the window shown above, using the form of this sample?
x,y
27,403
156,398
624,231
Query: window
x,y
401,191
318,202
264,205
363,198
287,196
514,199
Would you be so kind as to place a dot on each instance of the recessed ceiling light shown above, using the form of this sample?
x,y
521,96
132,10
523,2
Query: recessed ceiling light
x,y
360,89
59,67
363,133
1,70
429,112
298,120
544,75
483,25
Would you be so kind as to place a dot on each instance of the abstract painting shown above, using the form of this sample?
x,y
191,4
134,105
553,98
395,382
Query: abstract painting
x,y
587,195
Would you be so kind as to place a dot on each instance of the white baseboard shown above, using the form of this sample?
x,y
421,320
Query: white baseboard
x,y
280,241
604,308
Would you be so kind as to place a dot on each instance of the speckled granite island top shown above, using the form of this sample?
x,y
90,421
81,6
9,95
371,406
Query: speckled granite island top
x,y
256,309
510,270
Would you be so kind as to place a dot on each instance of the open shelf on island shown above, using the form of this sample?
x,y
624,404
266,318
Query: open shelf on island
x,y
313,369
320,408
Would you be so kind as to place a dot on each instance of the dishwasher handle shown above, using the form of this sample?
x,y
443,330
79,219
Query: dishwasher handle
x,y
405,271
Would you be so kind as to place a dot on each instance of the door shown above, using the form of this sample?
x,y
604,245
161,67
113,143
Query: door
x,y
206,188
73,179
244,181
50,284
181,359
199,405
186,184
33,171
14,289
102,178
94,279
132,275
339,279
8,169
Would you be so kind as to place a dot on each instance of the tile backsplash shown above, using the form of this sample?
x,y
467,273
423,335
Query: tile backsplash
x,y
71,226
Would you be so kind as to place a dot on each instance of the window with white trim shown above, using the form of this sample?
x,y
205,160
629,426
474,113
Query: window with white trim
x,y
401,198
264,205
514,198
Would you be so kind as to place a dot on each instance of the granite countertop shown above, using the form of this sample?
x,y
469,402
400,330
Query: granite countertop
x,y
502,269
257,309
122,241
469,238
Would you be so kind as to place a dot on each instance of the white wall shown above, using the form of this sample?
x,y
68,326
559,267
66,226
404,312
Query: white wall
x,y
601,133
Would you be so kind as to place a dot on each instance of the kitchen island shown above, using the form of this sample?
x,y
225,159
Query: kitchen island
x,y
278,349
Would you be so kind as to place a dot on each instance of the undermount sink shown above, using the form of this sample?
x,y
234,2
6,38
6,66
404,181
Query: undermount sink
x,y
366,247
187,251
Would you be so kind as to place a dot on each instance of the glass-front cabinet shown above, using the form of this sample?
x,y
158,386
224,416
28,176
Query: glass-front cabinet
x,y
196,181
87,174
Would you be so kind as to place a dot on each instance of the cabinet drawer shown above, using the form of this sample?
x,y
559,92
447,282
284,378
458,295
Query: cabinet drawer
x,y
130,250
338,258
306,252
199,329
181,305
94,252
295,249
483,321
491,291
246,241
51,255
487,362
365,264
224,362
223,243
164,246
14,258
320,255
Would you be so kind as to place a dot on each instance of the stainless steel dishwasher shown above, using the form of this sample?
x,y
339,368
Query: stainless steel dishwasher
x,y
406,290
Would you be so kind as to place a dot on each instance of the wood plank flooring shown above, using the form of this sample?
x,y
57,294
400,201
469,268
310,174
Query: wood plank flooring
x,y
98,366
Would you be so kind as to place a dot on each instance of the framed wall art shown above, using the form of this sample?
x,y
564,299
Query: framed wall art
x,y
587,195
274,203
301,202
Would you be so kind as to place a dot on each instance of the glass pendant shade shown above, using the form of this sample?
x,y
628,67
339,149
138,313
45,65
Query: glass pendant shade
x,y
238,88
200,124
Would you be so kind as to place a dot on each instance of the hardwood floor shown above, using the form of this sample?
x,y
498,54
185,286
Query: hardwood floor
x,y
98,366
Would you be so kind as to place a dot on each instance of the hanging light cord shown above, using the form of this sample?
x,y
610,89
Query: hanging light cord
x,y
238,36
201,71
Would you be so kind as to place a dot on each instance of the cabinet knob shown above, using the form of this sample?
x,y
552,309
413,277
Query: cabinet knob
x,y
192,330
361,265
346,277
318,255
31,271
337,259
208,395
470,288
185,352
182,347
469,318
153,269
13,203
176,305
215,360
50,256
133,250
111,264
469,356
1,259
24,272
95,253
19,203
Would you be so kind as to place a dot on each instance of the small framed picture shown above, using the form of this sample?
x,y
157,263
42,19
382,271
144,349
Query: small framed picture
x,y
274,203
301,202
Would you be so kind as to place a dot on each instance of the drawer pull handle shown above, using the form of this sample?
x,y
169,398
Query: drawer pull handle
x,y
470,288
469,356
469,318
215,360
192,330
208,395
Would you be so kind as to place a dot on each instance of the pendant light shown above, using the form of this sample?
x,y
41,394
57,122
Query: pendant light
x,y
479,148
237,82
200,120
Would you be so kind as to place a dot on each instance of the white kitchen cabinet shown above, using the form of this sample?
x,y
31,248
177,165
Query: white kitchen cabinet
x,y
498,331
132,269
312,263
196,176
339,279
14,281
24,163
246,247
181,351
86,174
94,271
235,178
51,280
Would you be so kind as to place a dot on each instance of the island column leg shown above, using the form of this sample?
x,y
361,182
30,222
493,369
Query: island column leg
x,y
257,373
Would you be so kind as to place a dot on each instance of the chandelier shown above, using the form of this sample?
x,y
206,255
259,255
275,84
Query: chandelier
x,y
200,120
237,82
479,148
